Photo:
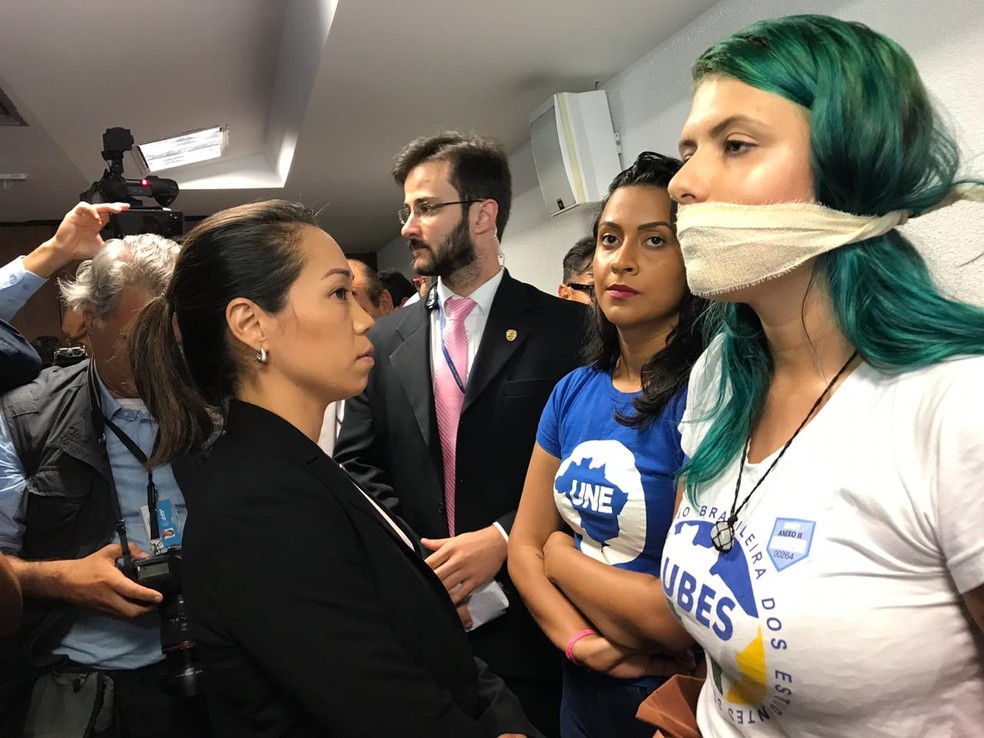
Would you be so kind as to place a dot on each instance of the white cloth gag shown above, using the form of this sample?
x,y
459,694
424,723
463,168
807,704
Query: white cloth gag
x,y
727,247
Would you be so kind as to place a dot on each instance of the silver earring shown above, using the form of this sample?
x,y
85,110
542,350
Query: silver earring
x,y
261,355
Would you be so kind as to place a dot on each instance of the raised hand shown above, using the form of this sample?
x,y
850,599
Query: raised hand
x,y
77,238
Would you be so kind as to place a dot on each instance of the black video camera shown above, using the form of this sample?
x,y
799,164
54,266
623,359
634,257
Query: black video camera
x,y
114,187
182,674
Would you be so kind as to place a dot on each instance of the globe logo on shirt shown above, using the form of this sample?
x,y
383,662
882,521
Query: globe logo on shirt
x,y
600,495
716,607
588,488
731,567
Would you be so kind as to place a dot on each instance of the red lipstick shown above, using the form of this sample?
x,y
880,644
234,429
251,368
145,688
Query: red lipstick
x,y
621,291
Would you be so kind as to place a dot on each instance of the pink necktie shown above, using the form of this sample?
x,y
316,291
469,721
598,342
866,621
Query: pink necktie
x,y
448,396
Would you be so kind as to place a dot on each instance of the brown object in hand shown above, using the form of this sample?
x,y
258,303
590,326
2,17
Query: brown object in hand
x,y
672,708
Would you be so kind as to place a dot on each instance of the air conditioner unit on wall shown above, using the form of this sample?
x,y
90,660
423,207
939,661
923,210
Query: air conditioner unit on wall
x,y
574,149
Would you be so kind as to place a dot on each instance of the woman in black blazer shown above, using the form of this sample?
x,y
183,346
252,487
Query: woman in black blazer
x,y
313,610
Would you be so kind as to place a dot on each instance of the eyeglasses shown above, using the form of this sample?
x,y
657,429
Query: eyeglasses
x,y
587,289
424,209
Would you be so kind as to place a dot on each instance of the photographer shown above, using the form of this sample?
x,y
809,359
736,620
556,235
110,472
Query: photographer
x,y
89,649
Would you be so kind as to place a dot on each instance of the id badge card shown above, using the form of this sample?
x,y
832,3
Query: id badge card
x,y
168,523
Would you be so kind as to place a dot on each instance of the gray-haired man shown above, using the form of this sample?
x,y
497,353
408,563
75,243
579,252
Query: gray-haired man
x,y
62,473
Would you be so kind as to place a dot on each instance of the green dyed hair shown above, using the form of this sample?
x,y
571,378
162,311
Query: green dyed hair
x,y
876,145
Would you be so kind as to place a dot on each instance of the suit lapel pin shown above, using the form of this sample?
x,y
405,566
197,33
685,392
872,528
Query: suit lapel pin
x,y
511,335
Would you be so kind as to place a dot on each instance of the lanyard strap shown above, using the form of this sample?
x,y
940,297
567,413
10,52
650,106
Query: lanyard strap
x,y
444,350
139,455
99,423
95,409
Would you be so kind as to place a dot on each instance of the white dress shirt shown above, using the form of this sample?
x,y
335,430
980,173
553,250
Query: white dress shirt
x,y
330,426
474,323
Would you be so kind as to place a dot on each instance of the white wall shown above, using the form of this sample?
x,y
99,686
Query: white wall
x,y
650,99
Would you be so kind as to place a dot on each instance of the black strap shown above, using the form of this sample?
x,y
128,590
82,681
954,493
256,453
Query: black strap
x,y
99,422
444,346
140,456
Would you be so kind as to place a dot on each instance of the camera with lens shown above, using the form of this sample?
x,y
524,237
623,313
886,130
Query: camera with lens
x,y
182,669
114,187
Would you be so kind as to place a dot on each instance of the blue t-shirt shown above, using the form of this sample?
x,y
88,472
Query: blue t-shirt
x,y
615,486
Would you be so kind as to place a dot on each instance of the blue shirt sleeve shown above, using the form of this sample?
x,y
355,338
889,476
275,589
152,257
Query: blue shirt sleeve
x,y
17,285
548,432
12,498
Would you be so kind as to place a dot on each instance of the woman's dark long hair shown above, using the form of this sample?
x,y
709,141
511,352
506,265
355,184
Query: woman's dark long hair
x,y
248,251
667,371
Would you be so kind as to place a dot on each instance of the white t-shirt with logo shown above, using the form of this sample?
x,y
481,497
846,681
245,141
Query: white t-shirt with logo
x,y
838,612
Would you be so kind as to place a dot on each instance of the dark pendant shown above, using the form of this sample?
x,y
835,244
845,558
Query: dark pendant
x,y
723,535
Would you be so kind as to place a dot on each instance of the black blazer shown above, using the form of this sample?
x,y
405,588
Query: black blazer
x,y
313,617
389,439
19,362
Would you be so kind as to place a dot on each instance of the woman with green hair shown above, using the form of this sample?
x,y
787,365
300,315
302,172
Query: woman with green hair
x,y
828,547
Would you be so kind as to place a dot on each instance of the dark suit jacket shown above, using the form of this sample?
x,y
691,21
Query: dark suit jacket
x,y
389,439
19,362
314,618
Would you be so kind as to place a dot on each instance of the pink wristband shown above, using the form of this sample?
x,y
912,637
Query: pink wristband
x,y
569,651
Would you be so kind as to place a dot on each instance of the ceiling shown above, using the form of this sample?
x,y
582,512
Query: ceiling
x,y
318,94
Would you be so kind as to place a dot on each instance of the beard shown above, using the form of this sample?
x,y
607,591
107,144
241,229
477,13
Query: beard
x,y
455,252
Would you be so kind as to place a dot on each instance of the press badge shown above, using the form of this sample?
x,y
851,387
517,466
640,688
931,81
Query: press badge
x,y
168,524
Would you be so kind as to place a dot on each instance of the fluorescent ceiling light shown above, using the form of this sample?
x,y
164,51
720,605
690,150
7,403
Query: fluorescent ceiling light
x,y
188,148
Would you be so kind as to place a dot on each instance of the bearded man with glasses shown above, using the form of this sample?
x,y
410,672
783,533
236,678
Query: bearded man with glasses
x,y
443,433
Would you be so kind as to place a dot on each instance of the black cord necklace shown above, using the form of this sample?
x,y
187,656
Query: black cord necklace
x,y
723,534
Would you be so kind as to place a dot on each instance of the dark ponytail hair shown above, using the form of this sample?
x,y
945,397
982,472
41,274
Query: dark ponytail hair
x,y
667,371
248,251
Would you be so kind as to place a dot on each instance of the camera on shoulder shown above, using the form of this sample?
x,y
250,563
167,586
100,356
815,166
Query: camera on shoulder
x,y
114,187
69,356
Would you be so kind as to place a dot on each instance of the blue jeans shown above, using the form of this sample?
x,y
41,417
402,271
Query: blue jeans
x,y
595,705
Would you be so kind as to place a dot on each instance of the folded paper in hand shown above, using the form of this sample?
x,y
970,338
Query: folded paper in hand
x,y
486,604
